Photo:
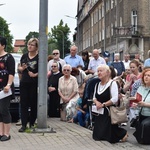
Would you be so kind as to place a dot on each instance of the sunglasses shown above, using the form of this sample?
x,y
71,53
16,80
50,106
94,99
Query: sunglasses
x,y
55,53
53,66
66,70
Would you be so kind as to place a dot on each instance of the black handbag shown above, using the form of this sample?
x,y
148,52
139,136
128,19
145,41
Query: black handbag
x,y
134,122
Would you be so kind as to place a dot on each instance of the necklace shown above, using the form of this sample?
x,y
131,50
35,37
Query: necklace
x,y
102,87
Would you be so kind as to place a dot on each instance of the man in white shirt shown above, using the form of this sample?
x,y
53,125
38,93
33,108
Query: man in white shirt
x,y
126,61
95,62
56,58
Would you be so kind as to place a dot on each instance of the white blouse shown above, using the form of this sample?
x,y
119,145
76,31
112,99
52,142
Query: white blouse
x,y
113,90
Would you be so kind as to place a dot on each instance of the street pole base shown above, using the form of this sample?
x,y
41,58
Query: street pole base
x,y
45,130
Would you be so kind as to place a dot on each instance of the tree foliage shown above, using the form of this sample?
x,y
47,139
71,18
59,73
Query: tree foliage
x,y
30,35
60,36
5,32
51,44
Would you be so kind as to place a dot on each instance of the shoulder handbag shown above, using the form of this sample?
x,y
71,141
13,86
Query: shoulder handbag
x,y
118,114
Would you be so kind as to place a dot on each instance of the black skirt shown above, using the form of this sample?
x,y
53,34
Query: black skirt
x,y
104,130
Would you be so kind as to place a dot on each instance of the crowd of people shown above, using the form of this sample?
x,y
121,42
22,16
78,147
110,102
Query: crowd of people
x,y
71,82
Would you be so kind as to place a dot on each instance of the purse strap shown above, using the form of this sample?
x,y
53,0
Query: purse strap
x,y
144,101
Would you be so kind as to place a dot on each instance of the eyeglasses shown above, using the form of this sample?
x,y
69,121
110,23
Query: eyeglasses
x,y
31,45
66,70
53,66
55,53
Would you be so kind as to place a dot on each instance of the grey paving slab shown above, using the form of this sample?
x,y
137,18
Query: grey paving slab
x,y
68,136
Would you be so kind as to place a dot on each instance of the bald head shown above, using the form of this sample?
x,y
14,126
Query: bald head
x,y
96,53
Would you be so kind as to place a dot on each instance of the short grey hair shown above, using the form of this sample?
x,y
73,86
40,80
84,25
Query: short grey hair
x,y
67,65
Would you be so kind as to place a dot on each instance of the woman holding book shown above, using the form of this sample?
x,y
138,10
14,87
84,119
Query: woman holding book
x,y
142,132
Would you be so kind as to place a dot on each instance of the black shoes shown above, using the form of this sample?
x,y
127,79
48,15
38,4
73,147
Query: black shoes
x,y
5,138
22,129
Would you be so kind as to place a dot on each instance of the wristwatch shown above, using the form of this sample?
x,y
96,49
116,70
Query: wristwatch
x,y
104,104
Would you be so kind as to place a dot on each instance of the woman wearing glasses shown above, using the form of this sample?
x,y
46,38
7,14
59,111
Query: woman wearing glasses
x,y
54,98
28,84
142,132
68,91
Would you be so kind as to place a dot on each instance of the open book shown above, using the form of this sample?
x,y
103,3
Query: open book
x,y
136,99
98,111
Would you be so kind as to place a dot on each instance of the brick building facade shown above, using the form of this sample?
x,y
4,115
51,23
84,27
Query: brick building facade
x,y
114,25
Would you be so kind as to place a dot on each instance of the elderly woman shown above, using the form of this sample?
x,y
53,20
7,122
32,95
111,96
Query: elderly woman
x,y
68,91
54,98
105,95
142,132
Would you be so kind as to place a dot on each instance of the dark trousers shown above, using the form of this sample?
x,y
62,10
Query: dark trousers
x,y
5,116
28,99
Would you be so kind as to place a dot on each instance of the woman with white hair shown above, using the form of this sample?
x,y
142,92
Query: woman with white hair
x,y
68,91
106,95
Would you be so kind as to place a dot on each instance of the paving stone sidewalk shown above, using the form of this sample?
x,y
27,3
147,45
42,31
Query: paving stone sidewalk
x,y
68,136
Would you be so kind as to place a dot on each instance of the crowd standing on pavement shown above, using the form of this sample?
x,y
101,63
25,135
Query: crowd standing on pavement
x,y
75,79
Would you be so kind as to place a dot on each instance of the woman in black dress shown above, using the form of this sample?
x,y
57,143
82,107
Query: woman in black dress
x,y
103,97
28,84
54,98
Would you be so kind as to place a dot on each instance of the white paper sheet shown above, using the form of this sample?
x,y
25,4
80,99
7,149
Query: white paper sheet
x,y
99,111
3,94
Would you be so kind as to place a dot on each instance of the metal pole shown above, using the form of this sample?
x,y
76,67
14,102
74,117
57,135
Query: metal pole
x,y
116,26
62,40
104,25
42,70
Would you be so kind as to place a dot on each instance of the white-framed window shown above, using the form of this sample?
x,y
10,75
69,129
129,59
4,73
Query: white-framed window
x,y
116,23
96,38
92,20
111,3
102,10
108,32
120,20
134,21
89,37
100,35
92,36
96,15
112,30
103,34
84,41
100,13
107,5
